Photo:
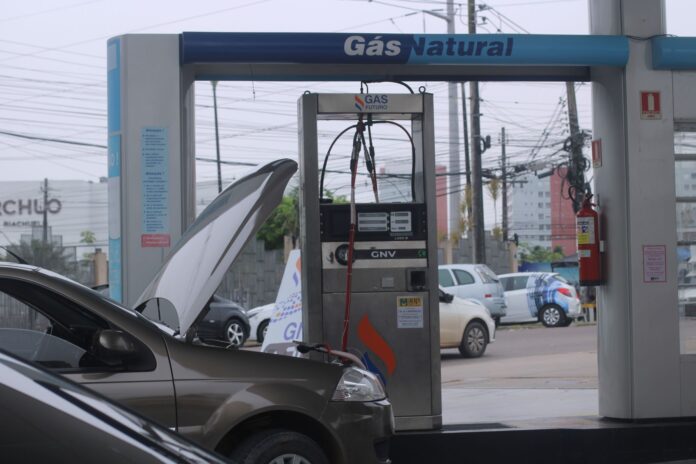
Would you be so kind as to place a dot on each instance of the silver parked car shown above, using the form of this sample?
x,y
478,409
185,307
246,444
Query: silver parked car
x,y
252,407
474,282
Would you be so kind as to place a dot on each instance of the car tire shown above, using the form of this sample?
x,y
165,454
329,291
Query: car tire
x,y
474,340
261,330
552,316
235,333
278,446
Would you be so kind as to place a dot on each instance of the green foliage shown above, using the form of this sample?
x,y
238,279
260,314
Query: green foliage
x,y
285,219
540,254
46,255
88,237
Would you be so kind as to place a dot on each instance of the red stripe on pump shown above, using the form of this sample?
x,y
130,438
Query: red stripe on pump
x,y
374,341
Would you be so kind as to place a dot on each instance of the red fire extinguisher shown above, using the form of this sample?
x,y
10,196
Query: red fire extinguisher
x,y
589,255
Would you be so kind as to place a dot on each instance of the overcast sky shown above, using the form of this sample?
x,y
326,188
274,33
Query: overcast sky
x,y
53,77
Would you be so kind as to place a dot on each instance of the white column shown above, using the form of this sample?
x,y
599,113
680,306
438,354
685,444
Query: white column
x,y
638,326
155,199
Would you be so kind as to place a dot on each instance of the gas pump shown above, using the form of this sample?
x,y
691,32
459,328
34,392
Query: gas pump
x,y
369,268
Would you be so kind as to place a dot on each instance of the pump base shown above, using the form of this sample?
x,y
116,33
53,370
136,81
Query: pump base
x,y
551,441
406,423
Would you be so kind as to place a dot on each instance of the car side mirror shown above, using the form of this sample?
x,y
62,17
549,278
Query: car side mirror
x,y
446,297
114,346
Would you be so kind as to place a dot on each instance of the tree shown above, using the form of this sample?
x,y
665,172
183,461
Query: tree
x,y
47,255
465,222
88,237
538,254
285,219
494,191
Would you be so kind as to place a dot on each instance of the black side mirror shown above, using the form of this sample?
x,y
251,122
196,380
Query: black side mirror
x,y
446,297
115,346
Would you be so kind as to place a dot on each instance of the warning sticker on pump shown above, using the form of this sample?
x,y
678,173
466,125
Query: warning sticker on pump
x,y
409,312
585,231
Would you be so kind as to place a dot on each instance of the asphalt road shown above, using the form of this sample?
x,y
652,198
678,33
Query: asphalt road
x,y
530,372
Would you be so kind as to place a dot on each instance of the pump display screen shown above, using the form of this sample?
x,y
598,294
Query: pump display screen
x,y
395,221
383,221
400,221
373,222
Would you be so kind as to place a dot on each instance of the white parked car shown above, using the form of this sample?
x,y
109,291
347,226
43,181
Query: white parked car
x,y
474,282
465,324
540,296
259,318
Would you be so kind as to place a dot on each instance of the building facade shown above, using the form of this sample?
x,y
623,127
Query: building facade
x,y
541,214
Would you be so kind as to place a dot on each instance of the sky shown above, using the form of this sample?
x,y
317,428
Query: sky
x,y
53,79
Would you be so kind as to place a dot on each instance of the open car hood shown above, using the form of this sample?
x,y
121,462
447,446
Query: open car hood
x,y
197,264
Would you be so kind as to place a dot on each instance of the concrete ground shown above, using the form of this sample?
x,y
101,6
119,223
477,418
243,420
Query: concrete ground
x,y
530,372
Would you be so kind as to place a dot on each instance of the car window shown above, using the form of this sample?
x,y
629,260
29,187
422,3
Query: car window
x,y
463,277
43,327
520,282
506,282
487,276
445,278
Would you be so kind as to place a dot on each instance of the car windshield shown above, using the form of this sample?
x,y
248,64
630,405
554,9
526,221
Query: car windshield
x,y
560,278
487,276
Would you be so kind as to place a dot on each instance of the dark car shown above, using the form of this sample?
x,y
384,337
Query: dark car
x,y
252,407
224,320
47,418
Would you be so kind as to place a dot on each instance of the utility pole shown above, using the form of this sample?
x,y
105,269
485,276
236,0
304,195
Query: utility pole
x,y
45,212
454,183
478,242
217,136
576,142
504,176
467,164
454,165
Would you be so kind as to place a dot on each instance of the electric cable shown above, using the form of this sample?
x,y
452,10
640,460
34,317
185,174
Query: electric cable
x,y
326,159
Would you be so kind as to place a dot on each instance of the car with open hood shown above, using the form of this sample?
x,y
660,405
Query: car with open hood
x,y
252,407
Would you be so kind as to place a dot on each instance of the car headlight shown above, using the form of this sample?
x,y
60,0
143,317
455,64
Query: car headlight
x,y
359,385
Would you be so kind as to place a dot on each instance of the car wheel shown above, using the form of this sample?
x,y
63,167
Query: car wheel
x,y
552,316
262,330
474,340
279,446
235,333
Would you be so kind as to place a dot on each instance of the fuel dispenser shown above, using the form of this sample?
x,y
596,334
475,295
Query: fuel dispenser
x,y
369,268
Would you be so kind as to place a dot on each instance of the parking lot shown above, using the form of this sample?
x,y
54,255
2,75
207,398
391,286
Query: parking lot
x,y
529,372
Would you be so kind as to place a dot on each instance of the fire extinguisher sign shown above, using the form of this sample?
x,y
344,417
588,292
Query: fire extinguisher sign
x,y
650,105
585,231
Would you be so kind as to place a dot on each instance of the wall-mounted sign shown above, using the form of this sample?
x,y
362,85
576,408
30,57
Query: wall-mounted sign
x,y
650,105
155,187
654,263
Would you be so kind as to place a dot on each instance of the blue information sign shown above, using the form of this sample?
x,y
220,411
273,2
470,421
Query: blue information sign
x,y
334,48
